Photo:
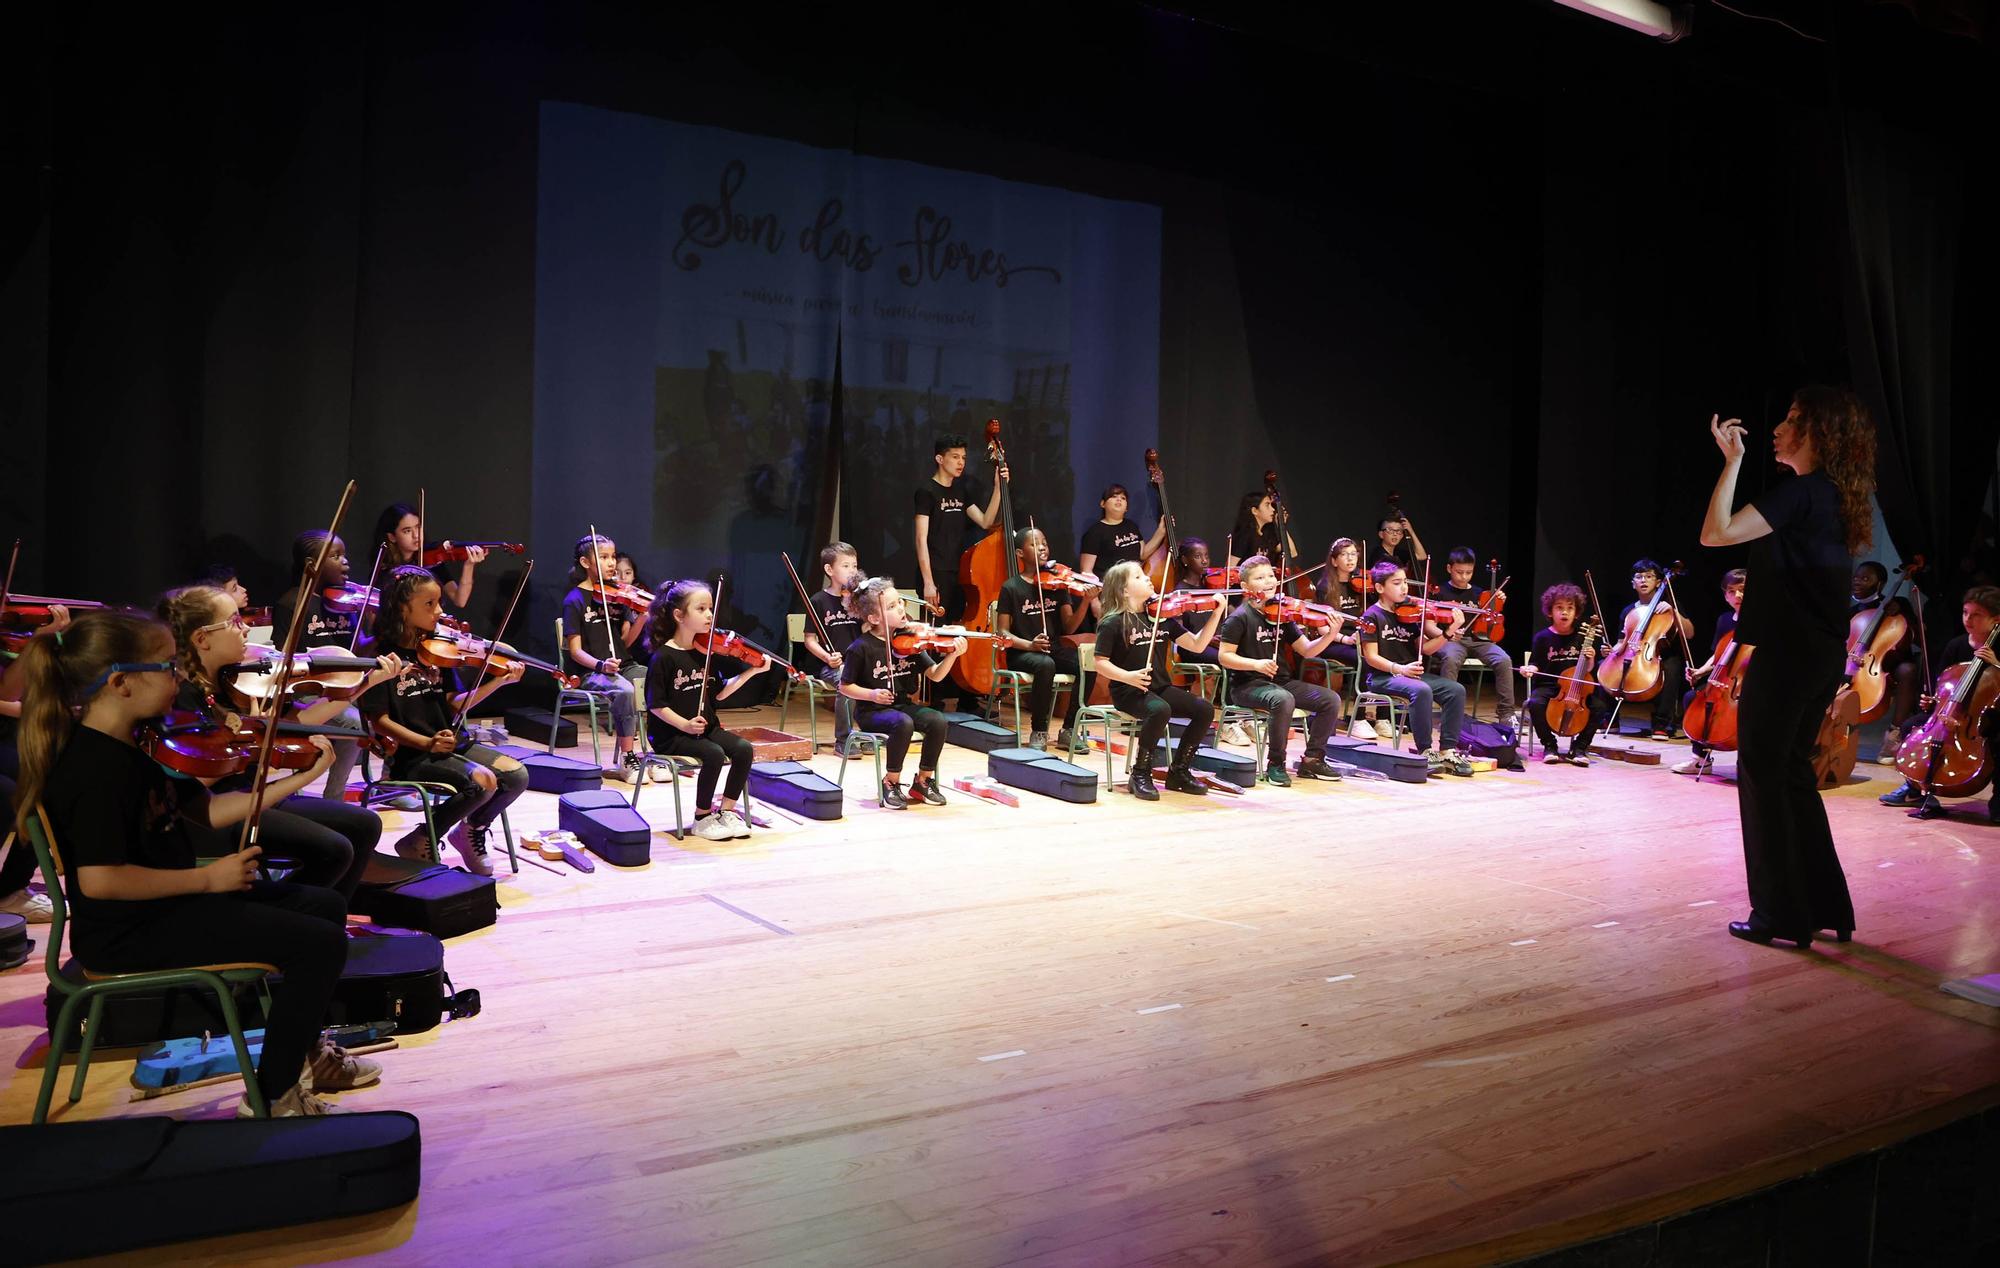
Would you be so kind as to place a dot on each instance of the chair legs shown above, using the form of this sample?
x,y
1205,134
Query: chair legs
x,y
95,996
865,740
58,1043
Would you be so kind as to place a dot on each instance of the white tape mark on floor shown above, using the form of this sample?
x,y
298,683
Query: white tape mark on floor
x,y
1604,924
1525,942
1344,977
1188,915
1886,863
1002,1056
1706,902
1158,1008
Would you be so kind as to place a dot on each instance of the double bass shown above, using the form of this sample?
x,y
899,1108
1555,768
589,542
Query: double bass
x,y
1948,756
986,565
1159,566
1871,636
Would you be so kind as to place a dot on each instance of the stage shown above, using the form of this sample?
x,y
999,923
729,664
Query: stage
x,y
1351,1023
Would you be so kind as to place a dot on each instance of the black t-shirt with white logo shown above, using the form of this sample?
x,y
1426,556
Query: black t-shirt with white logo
x,y
325,625
1031,611
868,664
583,615
1394,641
1556,654
419,700
842,627
1255,638
1111,543
1129,641
946,505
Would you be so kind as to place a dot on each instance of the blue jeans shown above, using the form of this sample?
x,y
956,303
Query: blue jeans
x,y
624,703
1421,696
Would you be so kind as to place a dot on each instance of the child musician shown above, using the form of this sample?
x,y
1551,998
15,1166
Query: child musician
x,y
1557,652
419,711
327,624
137,899
1032,620
604,651
1732,594
1250,642
400,534
1192,561
1649,585
1394,653
883,685
682,692
1132,654
1458,588
1340,585
842,568
1978,614
1113,539
1258,531
327,840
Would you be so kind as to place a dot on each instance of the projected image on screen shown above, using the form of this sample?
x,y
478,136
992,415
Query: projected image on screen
x,y
701,291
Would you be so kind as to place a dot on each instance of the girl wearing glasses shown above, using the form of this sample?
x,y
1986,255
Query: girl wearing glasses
x,y
124,824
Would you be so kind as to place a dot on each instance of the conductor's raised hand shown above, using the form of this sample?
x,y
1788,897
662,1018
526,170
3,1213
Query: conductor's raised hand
x,y
1728,435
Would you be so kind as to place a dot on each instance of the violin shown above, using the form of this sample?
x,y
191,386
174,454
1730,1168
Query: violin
x,y
198,746
1409,611
1491,623
1711,718
324,673
1569,712
350,598
1871,636
1054,576
1301,612
631,597
449,647
913,638
1222,578
1948,755
736,647
30,612
457,552
1165,607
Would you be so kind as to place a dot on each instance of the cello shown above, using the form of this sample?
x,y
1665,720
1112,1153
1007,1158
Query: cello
x,y
1160,566
1569,712
1948,755
1711,719
1631,669
986,566
1871,636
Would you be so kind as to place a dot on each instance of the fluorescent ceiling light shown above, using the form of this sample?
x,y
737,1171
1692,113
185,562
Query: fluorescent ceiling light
x,y
1644,16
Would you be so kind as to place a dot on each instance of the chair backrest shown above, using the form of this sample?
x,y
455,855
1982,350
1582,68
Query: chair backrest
x,y
913,606
795,629
994,654
42,837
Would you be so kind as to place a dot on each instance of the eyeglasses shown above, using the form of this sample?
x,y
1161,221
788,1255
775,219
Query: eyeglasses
x,y
132,667
234,621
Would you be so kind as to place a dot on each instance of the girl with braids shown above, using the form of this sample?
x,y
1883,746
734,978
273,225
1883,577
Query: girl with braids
x,y
418,710
883,687
1802,535
326,840
599,638
401,535
681,695
122,824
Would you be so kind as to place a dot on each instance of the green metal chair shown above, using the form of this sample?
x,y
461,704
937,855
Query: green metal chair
x,y
1357,698
1012,679
427,792
680,764
816,691
1256,720
570,697
95,988
859,740
1480,672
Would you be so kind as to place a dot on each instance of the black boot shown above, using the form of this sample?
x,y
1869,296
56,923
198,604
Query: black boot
x,y
1181,780
1142,784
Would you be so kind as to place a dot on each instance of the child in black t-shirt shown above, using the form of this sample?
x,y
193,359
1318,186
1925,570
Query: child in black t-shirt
x,y
1978,614
1337,589
1114,539
1394,654
597,638
136,898
1463,643
883,682
948,504
1132,653
1250,643
399,533
1649,587
1558,652
842,569
1259,530
682,692
420,711
1732,594
1032,621
327,624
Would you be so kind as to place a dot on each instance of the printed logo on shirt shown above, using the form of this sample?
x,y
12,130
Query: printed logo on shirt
x,y
1126,537
420,680
685,678
318,624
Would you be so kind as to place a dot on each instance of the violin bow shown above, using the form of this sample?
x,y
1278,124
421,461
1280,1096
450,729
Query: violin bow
x,y
1687,652
354,637
708,652
247,836
1910,569
610,631
888,639
812,613
492,646
421,539
1040,600
7,586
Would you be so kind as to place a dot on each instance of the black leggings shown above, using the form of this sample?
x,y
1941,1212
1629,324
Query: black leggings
x,y
712,748
1154,708
1042,668
899,726
19,868
299,928
327,842
469,802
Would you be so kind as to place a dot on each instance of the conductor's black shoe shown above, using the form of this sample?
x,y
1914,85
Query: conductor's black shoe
x,y
1907,795
1143,787
1755,930
1182,780
1928,808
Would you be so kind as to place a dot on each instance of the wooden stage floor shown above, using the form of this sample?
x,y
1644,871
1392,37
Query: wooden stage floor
x,y
1342,1023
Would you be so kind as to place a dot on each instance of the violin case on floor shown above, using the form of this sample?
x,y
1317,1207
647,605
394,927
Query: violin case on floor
x,y
1044,773
608,826
968,730
1405,768
429,897
796,787
548,773
392,975
68,1190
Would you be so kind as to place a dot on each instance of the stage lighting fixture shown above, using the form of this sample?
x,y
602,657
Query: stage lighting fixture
x,y
1663,22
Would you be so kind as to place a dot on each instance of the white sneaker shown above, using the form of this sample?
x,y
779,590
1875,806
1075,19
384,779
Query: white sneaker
x,y
1695,766
1362,730
471,845
1383,731
715,827
739,827
34,908
1232,734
